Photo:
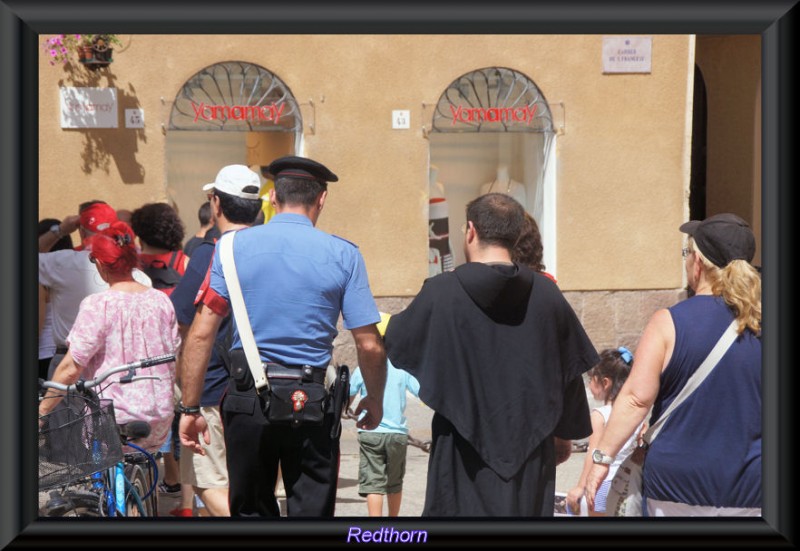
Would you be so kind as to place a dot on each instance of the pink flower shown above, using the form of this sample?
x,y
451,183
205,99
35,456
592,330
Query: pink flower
x,y
53,53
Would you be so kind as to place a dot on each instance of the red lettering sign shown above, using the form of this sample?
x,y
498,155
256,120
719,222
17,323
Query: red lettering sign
x,y
207,112
493,114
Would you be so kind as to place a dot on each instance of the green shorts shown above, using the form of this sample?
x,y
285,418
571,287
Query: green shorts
x,y
383,462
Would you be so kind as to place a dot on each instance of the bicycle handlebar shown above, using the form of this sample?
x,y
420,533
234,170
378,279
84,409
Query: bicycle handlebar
x,y
129,377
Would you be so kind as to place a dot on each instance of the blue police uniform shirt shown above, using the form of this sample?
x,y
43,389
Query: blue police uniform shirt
x,y
296,280
394,397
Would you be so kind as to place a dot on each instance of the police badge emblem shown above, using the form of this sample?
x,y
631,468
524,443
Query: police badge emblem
x,y
299,399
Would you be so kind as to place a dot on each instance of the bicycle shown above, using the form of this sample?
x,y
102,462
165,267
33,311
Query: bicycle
x,y
82,453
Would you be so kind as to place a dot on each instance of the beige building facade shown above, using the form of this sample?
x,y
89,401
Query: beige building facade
x,y
607,173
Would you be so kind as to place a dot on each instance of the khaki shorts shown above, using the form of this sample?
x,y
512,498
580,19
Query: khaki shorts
x,y
209,470
383,462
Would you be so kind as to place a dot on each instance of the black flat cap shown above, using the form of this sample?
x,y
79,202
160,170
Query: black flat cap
x,y
722,238
299,167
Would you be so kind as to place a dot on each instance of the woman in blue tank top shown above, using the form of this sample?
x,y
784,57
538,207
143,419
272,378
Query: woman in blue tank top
x,y
706,460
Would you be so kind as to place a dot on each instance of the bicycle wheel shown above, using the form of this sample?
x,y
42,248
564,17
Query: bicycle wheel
x,y
135,487
73,503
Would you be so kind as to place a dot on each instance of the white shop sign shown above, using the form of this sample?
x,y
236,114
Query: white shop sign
x,y
89,108
627,54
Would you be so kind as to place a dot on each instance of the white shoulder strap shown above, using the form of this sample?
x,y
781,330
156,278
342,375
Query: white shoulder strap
x,y
711,361
240,310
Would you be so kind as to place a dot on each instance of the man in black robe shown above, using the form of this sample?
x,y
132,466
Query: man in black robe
x,y
498,353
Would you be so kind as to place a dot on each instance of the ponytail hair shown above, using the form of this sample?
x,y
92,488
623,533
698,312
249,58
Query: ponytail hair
x,y
615,363
113,247
739,285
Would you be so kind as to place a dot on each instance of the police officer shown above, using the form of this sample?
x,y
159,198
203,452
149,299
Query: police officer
x,y
296,280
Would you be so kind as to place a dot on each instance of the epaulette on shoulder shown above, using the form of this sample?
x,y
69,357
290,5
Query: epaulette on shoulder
x,y
345,240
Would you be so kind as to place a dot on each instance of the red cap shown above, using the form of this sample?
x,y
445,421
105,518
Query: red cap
x,y
98,217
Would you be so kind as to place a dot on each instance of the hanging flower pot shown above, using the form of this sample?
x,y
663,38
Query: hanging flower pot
x,y
100,50
93,50
85,53
101,46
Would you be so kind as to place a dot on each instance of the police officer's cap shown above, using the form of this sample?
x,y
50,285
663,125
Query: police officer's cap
x,y
299,167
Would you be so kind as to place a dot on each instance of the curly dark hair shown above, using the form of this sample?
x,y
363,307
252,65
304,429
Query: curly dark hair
x,y
529,250
158,225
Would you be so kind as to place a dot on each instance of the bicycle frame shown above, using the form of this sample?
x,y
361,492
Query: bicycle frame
x,y
115,487
118,487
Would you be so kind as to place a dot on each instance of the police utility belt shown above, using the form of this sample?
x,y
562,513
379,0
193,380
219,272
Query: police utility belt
x,y
290,395
294,395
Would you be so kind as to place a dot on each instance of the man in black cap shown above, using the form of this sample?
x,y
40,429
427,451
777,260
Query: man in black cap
x,y
720,421
295,282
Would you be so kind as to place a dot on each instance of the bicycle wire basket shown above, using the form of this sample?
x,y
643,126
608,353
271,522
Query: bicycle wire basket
x,y
78,438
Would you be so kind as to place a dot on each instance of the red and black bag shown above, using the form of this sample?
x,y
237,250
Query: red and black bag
x,y
165,275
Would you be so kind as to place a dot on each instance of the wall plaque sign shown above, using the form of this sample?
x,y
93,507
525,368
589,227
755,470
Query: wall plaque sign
x,y
627,54
134,118
89,107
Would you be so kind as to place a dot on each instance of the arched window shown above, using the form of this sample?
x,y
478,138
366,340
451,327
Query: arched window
x,y
494,99
235,96
492,130
232,112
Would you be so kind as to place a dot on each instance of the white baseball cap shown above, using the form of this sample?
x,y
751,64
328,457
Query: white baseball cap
x,y
232,179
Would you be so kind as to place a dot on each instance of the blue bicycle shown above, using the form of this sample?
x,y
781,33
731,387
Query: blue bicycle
x,y
81,457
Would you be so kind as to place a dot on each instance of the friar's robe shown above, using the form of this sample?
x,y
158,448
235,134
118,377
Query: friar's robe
x,y
498,353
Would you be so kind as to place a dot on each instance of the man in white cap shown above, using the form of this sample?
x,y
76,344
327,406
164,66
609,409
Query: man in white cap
x,y
234,201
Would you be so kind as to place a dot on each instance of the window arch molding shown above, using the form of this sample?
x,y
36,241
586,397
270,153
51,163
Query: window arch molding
x,y
493,99
235,96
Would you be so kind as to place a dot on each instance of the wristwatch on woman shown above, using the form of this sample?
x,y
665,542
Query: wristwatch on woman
x,y
599,458
56,229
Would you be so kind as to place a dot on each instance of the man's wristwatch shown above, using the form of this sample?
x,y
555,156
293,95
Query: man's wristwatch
x,y
56,229
599,458
188,410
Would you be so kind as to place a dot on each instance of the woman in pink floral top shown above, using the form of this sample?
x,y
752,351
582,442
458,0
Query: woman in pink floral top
x,y
126,323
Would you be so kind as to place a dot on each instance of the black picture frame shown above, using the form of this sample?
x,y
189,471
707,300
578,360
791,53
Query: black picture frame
x,y
22,21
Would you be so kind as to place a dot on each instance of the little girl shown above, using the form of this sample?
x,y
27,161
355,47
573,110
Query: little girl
x,y
605,380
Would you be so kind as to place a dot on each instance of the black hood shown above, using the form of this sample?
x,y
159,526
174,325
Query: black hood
x,y
500,290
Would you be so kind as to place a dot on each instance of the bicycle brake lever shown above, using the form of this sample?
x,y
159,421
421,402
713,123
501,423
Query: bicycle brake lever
x,y
143,377
128,377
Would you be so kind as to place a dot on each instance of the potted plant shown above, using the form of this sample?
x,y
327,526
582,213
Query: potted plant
x,y
91,49
102,46
85,52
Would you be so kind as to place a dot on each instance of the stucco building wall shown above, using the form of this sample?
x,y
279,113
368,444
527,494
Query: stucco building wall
x,y
731,68
622,154
623,151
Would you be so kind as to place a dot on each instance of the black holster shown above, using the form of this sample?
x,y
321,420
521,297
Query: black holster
x,y
340,392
